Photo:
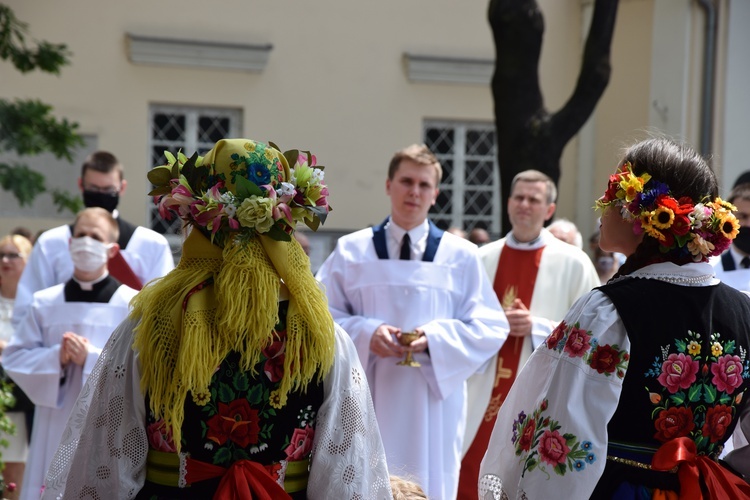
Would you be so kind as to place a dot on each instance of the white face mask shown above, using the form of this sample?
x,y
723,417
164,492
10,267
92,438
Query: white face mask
x,y
88,254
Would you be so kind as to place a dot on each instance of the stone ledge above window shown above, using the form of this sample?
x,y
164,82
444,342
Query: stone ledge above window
x,y
443,69
197,53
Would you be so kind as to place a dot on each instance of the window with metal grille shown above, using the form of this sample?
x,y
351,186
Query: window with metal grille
x,y
189,129
470,190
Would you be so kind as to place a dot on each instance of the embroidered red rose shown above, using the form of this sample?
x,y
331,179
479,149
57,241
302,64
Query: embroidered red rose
x,y
727,373
235,421
605,359
718,419
678,372
578,343
527,436
673,423
553,448
556,335
160,438
301,444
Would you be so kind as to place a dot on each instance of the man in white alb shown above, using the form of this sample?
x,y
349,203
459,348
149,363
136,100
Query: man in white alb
x,y
407,275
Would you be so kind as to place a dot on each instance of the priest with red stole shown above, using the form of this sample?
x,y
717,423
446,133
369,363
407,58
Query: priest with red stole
x,y
537,278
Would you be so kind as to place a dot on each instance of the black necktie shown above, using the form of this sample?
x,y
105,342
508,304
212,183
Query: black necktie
x,y
745,262
405,248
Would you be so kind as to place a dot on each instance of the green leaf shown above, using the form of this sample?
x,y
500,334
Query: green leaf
x,y
709,393
275,233
222,455
681,345
226,394
66,201
678,398
694,393
170,158
255,395
291,157
245,188
160,176
160,191
195,176
729,347
241,382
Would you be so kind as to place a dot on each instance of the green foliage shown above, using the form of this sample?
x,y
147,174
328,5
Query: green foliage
x,y
45,56
27,126
7,400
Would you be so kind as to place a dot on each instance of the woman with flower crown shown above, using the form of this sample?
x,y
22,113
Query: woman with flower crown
x,y
230,378
633,395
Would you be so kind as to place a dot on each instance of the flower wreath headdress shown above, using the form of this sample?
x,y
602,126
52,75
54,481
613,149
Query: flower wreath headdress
x,y
682,227
243,201
260,194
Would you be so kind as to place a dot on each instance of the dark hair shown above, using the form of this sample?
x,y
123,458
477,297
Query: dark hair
x,y
685,172
102,161
739,192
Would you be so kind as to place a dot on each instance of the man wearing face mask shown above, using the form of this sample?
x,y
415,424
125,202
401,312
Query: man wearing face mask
x,y
56,345
144,254
733,267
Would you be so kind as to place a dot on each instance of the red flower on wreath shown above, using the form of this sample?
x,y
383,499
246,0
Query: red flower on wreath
x,y
673,423
527,437
727,373
605,359
556,335
236,422
718,420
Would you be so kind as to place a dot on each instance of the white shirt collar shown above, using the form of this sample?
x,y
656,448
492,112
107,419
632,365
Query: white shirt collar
x,y
89,285
417,235
540,241
691,274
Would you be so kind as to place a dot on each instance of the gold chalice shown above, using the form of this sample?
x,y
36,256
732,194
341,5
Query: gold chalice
x,y
407,338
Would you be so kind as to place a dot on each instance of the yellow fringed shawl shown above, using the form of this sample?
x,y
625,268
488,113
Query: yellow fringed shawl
x,y
180,349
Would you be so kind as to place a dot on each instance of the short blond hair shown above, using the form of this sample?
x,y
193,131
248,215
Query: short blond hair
x,y
98,212
405,489
418,153
22,243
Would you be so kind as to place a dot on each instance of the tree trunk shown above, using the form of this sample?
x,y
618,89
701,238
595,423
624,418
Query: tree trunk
x,y
528,136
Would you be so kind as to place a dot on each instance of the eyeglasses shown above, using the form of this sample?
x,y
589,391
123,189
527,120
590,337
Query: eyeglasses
x,y
112,190
10,256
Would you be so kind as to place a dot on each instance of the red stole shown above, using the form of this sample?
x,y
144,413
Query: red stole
x,y
120,270
515,278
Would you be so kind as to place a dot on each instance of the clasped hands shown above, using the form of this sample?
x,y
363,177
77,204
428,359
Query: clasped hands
x,y
519,319
73,349
385,342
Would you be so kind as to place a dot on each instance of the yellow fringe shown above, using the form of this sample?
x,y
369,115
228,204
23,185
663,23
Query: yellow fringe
x,y
179,351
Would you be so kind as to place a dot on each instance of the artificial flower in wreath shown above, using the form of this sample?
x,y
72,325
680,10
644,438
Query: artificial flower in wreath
x,y
254,190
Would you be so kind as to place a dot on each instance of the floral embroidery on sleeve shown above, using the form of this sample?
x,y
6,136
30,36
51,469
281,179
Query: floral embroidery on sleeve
x,y
575,342
698,395
539,444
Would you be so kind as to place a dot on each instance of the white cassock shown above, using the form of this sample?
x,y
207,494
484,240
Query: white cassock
x,y
737,278
421,411
32,360
565,274
147,253
106,431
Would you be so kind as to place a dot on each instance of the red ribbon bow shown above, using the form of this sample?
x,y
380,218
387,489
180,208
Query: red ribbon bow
x,y
243,480
719,482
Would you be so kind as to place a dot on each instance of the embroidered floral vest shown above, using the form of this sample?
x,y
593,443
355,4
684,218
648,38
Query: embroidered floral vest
x,y
689,370
237,419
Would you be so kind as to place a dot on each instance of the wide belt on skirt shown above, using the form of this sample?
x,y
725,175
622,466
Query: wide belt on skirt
x,y
163,468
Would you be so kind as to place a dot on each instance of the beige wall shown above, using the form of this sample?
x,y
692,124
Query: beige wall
x,y
335,83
